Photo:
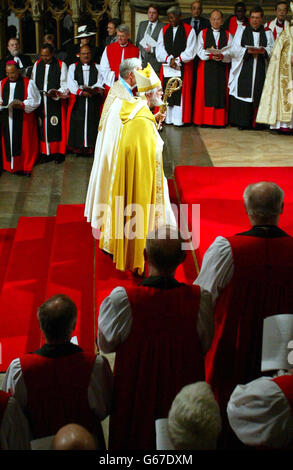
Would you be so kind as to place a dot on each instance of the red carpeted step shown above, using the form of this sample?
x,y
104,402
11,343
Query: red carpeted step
x,y
219,191
6,241
23,287
71,270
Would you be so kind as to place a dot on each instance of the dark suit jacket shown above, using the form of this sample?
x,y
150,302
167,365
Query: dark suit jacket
x,y
203,23
149,57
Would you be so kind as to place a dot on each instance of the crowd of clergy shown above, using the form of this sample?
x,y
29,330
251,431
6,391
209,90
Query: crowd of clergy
x,y
52,106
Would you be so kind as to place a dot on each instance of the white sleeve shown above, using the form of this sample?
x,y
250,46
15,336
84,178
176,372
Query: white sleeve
x,y
33,75
72,84
161,53
115,320
227,53
202,54
104,64
13,383
15,430
217,267
33,100
189,52
63,78
260,415
100,390
270,44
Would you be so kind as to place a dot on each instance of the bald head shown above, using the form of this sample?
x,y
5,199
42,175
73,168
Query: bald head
x,y
263,202
73,437
57,318
164,250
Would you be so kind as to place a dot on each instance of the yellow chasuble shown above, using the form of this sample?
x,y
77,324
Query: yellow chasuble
x,y
276,104
136,196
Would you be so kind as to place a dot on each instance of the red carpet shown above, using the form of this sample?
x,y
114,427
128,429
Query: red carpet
x,y
6,241
24,287
71,269
219,192
46,256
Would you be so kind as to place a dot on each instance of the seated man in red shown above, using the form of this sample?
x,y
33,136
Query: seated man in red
x,y
160,331
250,276
60,384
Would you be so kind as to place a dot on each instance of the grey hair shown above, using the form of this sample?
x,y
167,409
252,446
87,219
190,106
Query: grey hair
x,y
149,92
123,28
194,420
129,65
175,11
263,200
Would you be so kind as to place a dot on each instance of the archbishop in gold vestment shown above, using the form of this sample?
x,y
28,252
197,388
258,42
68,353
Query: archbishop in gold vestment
x,y
105,154
136,201
276,104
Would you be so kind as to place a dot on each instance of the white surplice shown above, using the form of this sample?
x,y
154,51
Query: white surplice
x,y
237,54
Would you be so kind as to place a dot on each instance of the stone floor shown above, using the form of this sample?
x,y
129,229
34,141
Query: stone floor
x,y
51,184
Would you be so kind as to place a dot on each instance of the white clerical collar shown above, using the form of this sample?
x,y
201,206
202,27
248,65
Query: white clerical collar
x,y
124,45
85,66
216,30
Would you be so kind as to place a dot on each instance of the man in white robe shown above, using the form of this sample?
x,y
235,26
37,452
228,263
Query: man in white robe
x,y
50,76
107,140
276,104
278,24
248,66
85,83
19,98
176,48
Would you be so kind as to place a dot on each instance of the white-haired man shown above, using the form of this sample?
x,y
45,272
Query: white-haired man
x,y
160,331
118,51
138,183
107,140
194,420
250,277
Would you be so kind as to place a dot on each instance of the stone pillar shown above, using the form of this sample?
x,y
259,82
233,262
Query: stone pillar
x,y
36,16
115,8
75,7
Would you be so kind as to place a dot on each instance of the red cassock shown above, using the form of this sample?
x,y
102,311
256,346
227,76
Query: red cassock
x,y
28,150
233,25
187,79
114,53
161,355
57,391
203,114
261,286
